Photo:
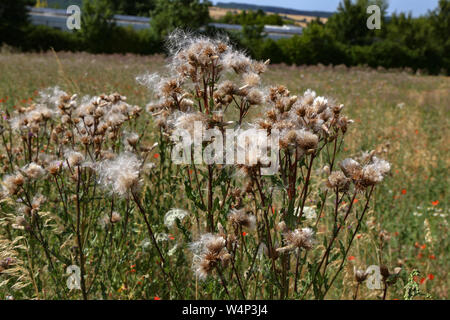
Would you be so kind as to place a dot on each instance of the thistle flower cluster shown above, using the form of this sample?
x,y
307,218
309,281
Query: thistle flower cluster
x,y
298,239
61,154
192,91
209,251
302,121
363,176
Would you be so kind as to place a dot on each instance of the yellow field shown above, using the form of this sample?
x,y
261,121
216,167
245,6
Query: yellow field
x,y
300,20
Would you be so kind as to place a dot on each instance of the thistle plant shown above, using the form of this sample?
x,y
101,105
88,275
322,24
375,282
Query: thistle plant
x,y
91,182
209,81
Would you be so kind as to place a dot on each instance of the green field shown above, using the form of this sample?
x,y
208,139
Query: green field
x,y
403,116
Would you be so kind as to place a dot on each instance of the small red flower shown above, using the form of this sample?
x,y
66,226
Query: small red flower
x,y
244,233
430,276
156,155
404,191
423,247
435,203
432,257
422,280
355,201
359,236
351,258
416,244
156,298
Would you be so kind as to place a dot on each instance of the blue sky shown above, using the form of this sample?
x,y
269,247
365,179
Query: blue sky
x,y
417,7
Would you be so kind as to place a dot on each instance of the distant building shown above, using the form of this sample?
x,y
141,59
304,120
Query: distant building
x,y
57,18
272,32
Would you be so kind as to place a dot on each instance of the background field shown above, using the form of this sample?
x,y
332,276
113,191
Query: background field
x,y
297,19
404,115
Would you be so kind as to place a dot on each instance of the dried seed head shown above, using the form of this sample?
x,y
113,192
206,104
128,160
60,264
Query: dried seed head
x,y
351,168
33,171
300,238
251,79
361,275
115,217
242,219
120,175
337,180
73,158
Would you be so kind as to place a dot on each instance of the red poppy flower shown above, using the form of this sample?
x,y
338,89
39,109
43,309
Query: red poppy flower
x,y
156,155
351,258
424,246
435,203
430,276
432,257
156,298
244,233
422,280
404,191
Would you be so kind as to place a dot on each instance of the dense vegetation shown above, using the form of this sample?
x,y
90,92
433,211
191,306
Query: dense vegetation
x,y
402,42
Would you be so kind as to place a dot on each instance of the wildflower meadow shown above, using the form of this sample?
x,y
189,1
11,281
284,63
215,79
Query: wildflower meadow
x,y
93,205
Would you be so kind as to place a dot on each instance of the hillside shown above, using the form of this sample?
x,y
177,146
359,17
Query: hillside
x,y
273,9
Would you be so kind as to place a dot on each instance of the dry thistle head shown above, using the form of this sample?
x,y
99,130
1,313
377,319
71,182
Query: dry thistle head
x,y
239,218
208,251
299,238
120,175
337,180
360,275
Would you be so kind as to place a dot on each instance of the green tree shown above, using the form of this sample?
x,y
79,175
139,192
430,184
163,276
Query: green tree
x,y
349,24
97,25
169,15
13,20
133,7
440,23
